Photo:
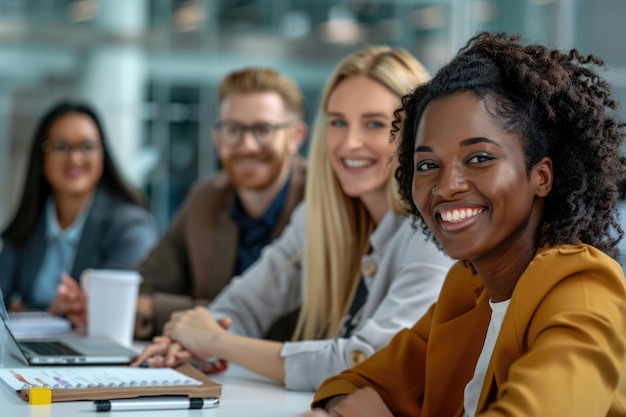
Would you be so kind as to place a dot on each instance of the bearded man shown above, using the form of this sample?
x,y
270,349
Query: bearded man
x,y
226,220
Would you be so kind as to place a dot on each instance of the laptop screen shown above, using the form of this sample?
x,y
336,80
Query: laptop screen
x,y
3,308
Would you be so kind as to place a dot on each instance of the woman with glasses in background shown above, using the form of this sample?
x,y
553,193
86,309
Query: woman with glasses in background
x,y
76,212
349,259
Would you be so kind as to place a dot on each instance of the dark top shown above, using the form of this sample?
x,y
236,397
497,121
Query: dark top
x,y
255,233
352,319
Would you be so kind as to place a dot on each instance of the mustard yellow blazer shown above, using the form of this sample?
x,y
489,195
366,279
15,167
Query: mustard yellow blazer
x,y
561,350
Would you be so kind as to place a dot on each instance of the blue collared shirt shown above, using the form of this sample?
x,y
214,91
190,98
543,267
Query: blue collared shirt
x,y
255,233
61,247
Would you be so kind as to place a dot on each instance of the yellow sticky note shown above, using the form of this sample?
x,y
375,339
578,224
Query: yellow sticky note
x,y
40,396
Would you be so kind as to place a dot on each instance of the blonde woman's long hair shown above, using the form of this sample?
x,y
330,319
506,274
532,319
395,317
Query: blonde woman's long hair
x,y
338,226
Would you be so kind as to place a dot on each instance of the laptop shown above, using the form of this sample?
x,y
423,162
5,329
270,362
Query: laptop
x,y
70,349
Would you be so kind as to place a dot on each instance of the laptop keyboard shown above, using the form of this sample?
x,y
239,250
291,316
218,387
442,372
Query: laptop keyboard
x,y
49,348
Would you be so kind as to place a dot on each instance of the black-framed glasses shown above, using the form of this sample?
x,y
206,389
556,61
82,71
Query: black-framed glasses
x,y
87,149
231,133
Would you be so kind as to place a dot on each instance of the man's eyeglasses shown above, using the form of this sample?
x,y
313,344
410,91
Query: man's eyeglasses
x,y
63,149
232,133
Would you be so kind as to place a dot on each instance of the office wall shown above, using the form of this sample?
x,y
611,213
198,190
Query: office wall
x,y
152,67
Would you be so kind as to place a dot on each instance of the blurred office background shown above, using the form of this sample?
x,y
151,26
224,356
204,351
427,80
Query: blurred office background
x,y
151,67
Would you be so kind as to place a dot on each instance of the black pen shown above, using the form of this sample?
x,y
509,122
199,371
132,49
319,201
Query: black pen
x,y
155,403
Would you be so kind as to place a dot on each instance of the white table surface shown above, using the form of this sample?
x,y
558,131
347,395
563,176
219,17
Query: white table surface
x,y
243,394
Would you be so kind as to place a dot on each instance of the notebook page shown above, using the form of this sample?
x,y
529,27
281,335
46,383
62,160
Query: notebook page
x,y
85,377
37,323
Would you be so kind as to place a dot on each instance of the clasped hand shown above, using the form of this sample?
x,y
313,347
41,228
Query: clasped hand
x,y
71,301
189,334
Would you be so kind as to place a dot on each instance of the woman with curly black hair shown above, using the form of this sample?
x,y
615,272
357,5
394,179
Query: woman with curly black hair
x,y
509,160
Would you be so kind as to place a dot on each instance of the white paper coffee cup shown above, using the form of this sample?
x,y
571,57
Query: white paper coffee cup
x,y
112,299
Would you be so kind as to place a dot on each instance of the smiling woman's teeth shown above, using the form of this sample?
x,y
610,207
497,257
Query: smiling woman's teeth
x,y
458,215
356,163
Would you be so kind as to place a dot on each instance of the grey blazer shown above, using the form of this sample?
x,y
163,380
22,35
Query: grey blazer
x,y
116,235
404,274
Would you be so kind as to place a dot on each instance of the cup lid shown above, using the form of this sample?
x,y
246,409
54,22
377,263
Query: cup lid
x,y
117,276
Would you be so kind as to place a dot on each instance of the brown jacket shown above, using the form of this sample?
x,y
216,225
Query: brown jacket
x,y
195,258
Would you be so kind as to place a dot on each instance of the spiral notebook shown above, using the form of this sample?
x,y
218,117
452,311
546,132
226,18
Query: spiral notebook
x,y
70,383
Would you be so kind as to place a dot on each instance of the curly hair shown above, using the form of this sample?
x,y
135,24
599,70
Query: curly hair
x,y
560,107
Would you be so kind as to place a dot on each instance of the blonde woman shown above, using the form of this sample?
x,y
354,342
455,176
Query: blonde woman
x,y
349,259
